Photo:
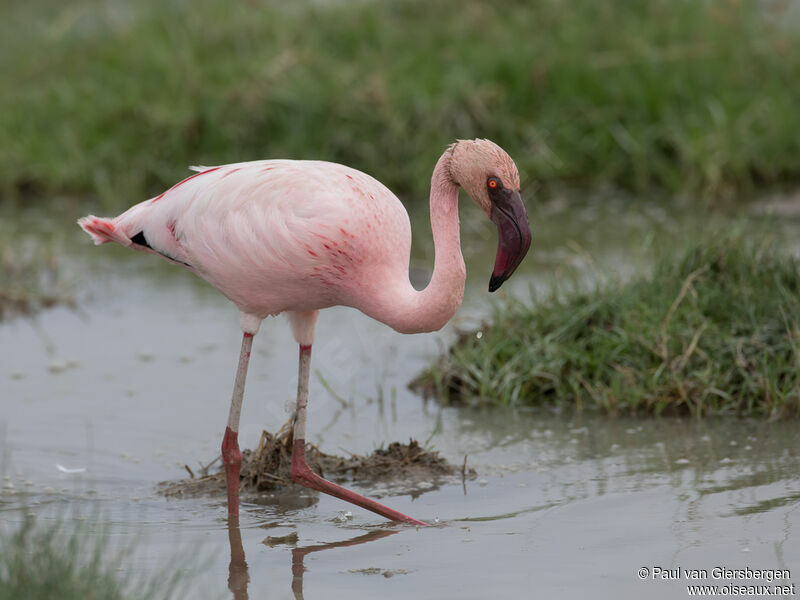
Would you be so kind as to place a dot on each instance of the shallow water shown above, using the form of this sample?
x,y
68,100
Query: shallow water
x,y
136,383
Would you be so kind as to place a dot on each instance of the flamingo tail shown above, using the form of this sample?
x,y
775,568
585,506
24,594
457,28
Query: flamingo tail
x,y
103,230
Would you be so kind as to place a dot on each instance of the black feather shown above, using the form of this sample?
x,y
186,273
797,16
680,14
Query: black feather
x,y
141,240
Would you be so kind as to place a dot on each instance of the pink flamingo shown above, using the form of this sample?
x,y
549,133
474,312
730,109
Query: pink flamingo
x,y
291,236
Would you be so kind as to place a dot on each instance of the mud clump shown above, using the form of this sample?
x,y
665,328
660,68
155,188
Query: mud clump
x,y
396,461
396,469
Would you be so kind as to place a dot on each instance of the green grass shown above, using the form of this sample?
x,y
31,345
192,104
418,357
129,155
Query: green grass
x,y
715,331
115,99
68,561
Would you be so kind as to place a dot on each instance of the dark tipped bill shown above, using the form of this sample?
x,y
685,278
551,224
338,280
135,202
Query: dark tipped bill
x,y
514,236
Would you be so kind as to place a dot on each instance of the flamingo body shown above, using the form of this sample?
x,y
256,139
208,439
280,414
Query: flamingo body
x,y
276,235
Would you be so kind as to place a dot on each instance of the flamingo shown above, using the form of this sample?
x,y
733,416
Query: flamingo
x,y
294,237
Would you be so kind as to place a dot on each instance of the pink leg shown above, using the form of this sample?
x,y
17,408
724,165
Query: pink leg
x,y
303,474
231,455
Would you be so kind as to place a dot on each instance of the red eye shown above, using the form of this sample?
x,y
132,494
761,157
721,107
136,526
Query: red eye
x,y
493,183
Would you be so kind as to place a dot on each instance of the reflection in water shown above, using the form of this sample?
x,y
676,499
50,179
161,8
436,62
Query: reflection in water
x,y
238,576
298,554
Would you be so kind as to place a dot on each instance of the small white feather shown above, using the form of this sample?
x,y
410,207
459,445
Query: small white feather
x,y
66,470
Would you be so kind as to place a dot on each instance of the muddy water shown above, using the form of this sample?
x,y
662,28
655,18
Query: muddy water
x,y
134,385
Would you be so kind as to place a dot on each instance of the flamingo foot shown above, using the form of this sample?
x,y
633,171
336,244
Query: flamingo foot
x,y
232,459
302,474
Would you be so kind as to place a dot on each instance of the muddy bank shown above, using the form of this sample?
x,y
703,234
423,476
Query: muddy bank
x,y
394,470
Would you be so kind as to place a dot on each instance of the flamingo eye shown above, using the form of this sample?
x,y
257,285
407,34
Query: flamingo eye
x,y
493,183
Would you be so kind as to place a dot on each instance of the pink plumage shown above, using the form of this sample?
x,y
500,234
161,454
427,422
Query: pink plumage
x,y
274,236
288,236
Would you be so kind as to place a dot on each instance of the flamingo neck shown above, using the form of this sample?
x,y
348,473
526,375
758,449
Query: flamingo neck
x,y
431,308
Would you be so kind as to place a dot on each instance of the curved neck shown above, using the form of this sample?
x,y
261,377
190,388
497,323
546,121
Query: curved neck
x,y
431,308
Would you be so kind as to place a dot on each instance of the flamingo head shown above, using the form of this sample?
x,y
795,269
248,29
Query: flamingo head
x,y
491,179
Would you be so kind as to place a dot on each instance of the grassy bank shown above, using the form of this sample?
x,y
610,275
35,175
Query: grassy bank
x,y
115,99
715,331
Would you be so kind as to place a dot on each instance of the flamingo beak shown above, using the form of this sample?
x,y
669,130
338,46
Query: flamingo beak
x,y
514,236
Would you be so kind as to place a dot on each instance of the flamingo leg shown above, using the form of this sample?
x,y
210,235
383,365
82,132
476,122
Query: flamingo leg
x,y
302,473
231,455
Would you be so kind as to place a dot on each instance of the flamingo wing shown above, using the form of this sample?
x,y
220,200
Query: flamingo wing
x,y
272,234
